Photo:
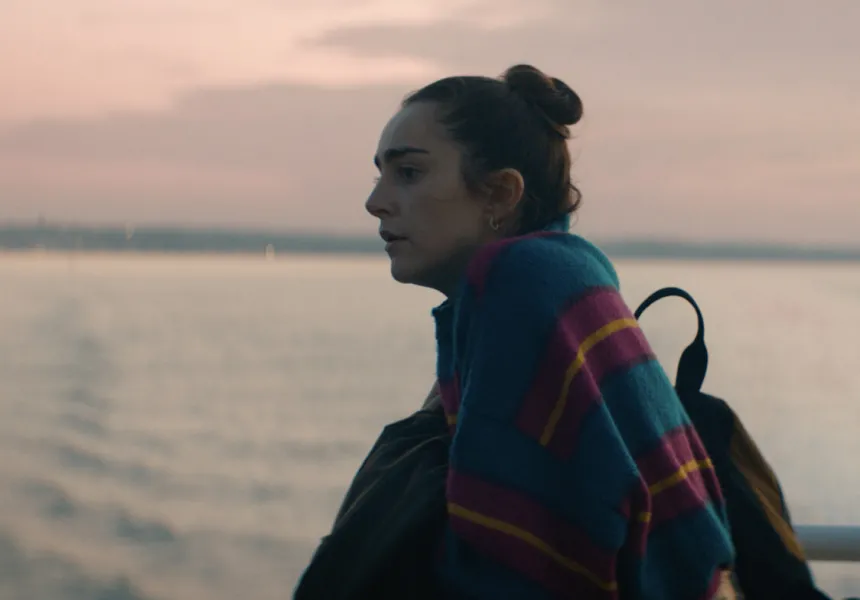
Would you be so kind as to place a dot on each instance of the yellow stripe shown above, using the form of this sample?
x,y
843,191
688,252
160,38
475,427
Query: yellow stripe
x,y
574,368
532,540
674,479
680,475
644,517
452,419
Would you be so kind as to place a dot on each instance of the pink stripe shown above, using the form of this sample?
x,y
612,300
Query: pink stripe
x,y
515,508
714,585
600,306
677,448
666,456
712,483
479,265
449,390
621,350
638,504
691,494
523,558
591,312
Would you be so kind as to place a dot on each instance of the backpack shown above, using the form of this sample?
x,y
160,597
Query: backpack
x,y
770,562
401,484
388,529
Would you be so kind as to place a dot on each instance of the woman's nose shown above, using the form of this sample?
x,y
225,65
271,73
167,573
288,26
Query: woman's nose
x,y
376,204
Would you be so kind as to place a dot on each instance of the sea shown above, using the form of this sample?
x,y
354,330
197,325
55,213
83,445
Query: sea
x,y
184,427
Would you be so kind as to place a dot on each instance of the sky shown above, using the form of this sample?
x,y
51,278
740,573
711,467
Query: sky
x,y
731,120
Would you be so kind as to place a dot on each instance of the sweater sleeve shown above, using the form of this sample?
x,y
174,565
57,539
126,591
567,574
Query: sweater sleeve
x,y
574,470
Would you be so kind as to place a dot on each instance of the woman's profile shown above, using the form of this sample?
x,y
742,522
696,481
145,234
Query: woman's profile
x,y
569,467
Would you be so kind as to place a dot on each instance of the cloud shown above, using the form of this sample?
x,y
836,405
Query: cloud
x,y
732,40
87,56
278,155
719,116
708,120
668,53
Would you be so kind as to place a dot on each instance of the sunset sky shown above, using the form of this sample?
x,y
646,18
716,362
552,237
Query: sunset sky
x,y
704,120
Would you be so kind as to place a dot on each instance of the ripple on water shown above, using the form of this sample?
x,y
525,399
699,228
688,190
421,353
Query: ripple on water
x,y
78,458
55,503
26,575
51,500
84,423
140,530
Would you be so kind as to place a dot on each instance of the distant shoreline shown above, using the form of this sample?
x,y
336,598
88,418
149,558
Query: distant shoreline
x,y
167,241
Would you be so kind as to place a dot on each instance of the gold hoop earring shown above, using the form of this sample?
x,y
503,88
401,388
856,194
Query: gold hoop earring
x,y
493,225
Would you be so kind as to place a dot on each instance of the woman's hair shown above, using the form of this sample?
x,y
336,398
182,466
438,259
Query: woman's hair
x,y
518,121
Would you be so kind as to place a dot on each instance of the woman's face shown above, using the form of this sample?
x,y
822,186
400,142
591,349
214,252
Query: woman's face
x,y
430,220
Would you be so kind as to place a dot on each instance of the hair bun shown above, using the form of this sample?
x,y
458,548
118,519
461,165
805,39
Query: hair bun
x,y
551,96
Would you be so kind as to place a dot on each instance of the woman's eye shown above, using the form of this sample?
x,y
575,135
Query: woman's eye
x,y
407,174
403,173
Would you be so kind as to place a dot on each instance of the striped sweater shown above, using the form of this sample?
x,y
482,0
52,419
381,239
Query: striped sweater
x,y
574,470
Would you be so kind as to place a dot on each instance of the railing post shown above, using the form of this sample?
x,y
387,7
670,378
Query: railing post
x,y
833,543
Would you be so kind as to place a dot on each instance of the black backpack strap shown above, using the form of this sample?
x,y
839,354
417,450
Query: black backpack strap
x,y
693,364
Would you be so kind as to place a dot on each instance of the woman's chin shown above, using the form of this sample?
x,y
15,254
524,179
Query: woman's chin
x,y
425,274
402,271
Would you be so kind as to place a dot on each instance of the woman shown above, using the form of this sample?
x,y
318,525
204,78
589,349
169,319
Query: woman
x,y
573,471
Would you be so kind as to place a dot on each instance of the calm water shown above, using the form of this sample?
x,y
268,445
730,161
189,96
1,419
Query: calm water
x,y
183,428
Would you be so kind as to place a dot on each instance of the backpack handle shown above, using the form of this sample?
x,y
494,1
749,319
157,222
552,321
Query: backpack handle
x,y
693,364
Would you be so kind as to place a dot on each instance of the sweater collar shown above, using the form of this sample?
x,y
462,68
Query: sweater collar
x,y
443,314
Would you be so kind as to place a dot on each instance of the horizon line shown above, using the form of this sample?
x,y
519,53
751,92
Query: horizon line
x,y
22,225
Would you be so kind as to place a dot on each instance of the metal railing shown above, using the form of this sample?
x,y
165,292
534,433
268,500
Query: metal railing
x,y
831,543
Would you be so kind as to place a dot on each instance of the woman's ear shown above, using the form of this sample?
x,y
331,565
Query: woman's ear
x,y
505,189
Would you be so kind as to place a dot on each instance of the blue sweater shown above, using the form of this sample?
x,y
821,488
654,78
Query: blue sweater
x,y
574,469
